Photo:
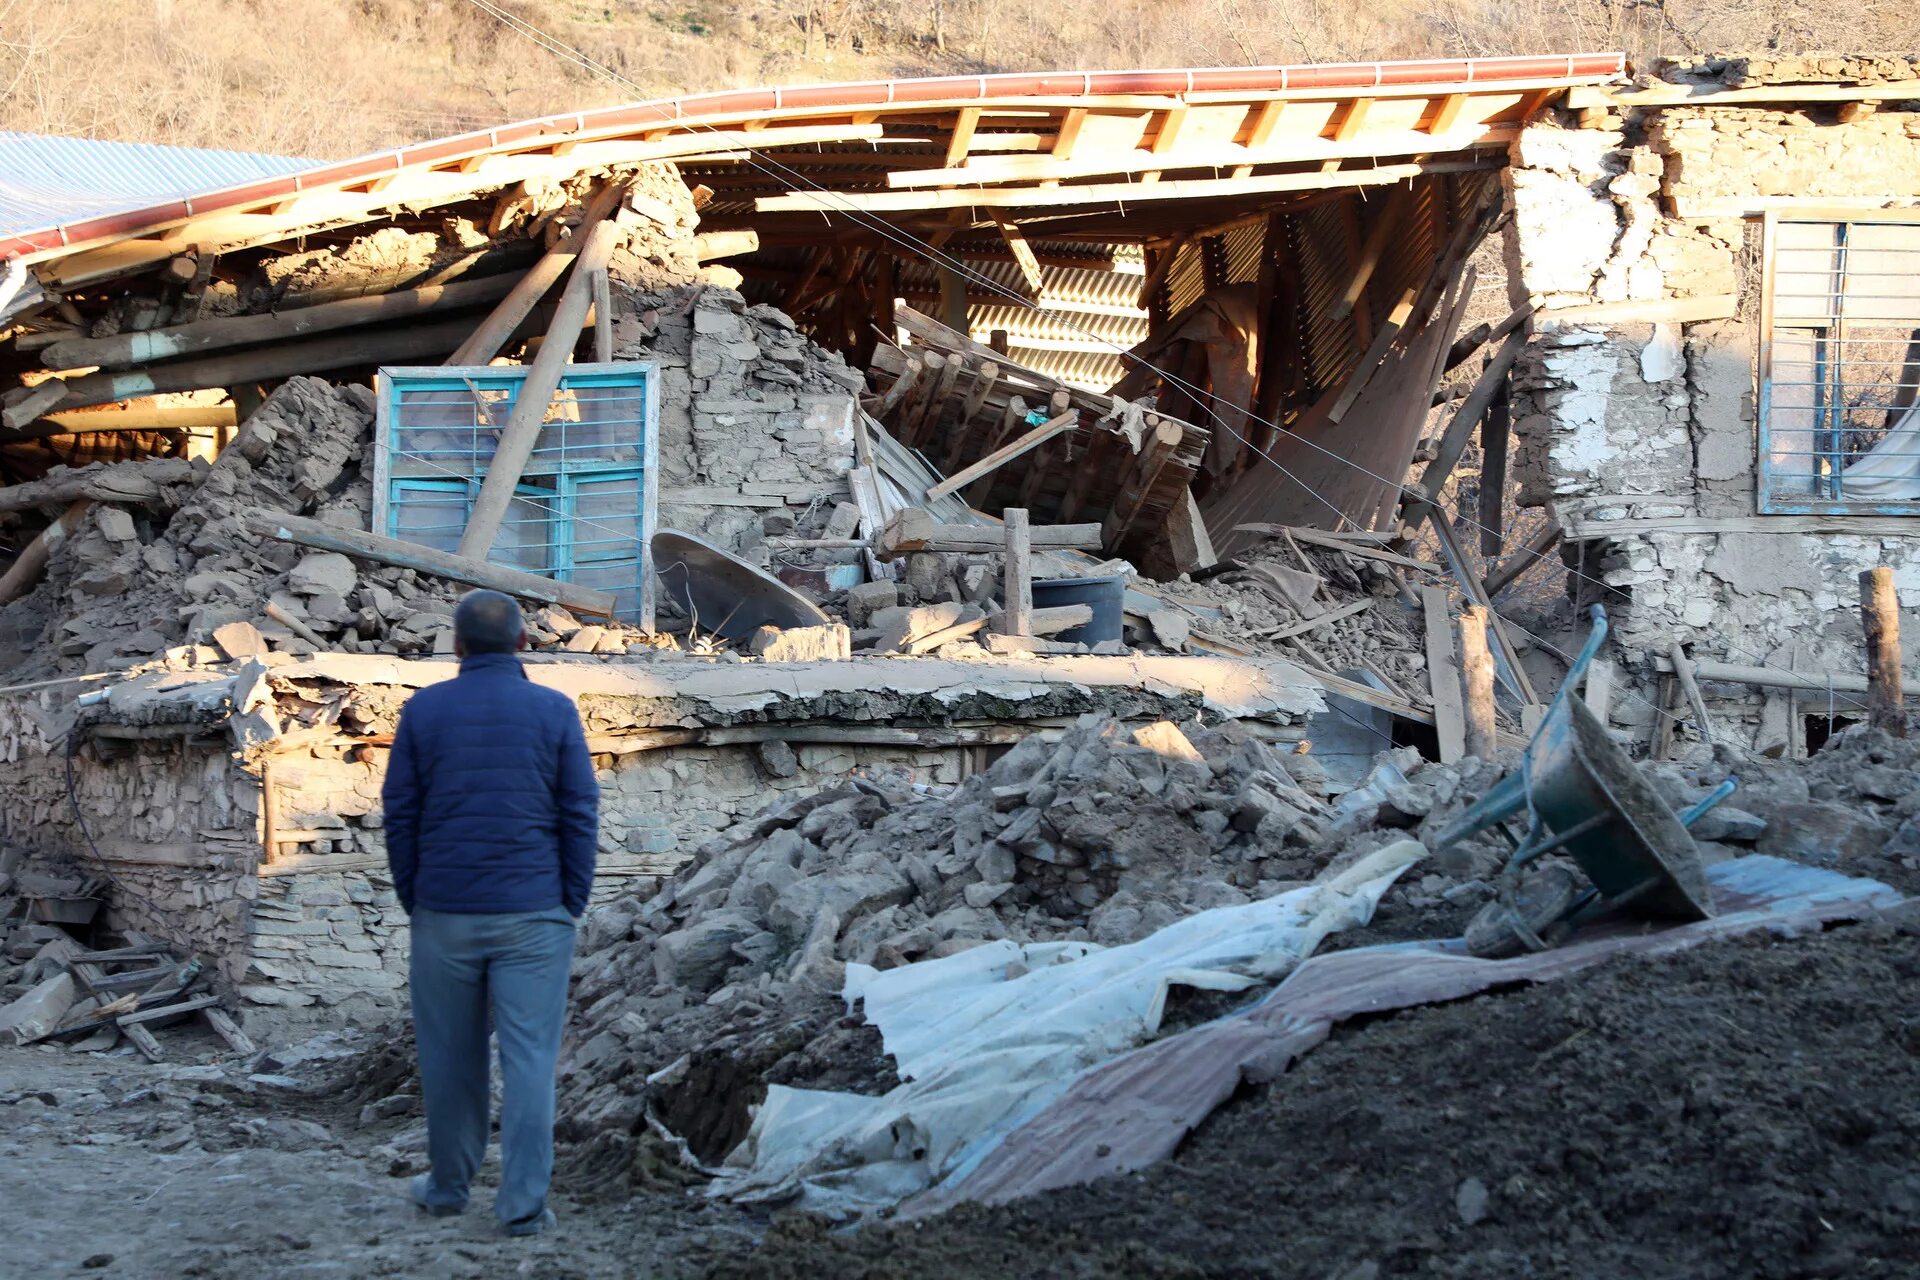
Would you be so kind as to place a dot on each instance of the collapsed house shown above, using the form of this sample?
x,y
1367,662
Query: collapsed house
x,y
1001,401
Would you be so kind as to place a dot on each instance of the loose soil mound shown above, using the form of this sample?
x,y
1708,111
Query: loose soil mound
x,y
1741,1110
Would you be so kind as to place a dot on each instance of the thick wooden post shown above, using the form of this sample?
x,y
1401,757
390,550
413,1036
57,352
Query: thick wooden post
x,y
1476,683
1019,573
536,394
1880,618
32,560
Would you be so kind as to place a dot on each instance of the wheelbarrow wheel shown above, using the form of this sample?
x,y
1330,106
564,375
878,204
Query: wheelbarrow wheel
x,y
1510,927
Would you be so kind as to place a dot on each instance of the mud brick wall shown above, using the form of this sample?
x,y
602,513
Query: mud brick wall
x,y
1634,420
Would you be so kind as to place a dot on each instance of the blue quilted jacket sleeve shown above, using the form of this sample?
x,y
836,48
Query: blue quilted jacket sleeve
x,y
400,799
577,799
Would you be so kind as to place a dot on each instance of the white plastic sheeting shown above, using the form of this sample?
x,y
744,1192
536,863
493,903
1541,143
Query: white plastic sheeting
x,y
1890,471
986,1038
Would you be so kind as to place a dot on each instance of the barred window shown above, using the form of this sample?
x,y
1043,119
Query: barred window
x,y
584,509
1840,366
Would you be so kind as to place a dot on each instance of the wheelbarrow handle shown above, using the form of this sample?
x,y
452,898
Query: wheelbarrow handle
x,y
1595,638
1707,802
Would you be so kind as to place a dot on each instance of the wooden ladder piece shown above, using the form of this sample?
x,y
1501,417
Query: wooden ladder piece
x,y
227,1029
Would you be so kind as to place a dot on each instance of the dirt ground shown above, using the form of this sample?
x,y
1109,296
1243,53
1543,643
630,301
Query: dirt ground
x,y
1742,1110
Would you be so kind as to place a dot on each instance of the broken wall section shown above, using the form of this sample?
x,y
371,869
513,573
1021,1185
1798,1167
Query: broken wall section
x,y
1640,433
172,824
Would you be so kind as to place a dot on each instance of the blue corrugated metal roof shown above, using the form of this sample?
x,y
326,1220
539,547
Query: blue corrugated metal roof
x,y
48,181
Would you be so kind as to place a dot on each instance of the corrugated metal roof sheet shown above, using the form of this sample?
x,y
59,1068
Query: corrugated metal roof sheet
x,y
51,181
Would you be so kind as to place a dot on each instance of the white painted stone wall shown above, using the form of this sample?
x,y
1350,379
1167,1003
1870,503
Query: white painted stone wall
x,y
1636,421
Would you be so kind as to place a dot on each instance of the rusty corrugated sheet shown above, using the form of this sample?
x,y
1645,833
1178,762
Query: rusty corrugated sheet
x,y
1136,1109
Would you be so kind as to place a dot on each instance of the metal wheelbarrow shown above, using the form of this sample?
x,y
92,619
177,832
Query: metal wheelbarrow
x,y
1581,794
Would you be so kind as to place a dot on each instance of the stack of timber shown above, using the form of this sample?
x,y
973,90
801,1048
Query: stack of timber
x,y
1009,436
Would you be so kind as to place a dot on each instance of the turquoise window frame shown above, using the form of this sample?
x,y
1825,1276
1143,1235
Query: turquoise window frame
x,y
621,444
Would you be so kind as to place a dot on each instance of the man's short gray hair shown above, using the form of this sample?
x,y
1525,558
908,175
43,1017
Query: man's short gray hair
x,y
488,622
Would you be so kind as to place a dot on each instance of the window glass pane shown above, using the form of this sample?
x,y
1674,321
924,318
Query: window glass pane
x,y
431,515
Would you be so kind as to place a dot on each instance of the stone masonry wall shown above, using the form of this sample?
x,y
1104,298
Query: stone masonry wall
x,y
171,821
327,930
1639,421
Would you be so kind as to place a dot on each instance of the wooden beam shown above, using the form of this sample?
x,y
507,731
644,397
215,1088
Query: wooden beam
x,y
914,529
1022,254
1443,675
1353,120
1447,113
1000,457
124,349
261,364
1522,560
32,560
486,341
411,555
1494,433
1123,193
140,415
1476,681
1453,441
602,318
1370,253
535,398
1049,168
1069,135
1018,588
962,140
1166,137
1880,620
1266,118
1363,370
1161,266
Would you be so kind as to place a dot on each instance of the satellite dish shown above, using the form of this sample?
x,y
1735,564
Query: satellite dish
x,y
722,593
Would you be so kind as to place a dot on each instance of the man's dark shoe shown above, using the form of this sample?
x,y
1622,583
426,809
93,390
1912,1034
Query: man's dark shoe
x,y
533,1224
417,1192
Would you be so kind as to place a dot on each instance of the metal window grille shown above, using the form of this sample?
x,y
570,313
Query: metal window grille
x,y
1840,366
584,509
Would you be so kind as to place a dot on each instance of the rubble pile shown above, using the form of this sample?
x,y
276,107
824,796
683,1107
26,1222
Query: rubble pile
x,y
126,587
54,987
1270,602
689,1002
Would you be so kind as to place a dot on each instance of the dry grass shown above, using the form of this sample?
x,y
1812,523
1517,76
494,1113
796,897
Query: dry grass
x,y
329,78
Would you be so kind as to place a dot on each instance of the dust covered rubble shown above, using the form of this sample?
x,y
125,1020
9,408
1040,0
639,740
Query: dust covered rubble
x,y
731,972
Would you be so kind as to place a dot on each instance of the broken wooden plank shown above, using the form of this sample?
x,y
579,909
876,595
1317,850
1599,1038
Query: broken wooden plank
x,y
1018,591
485,342
1000,457
1520,561
915,529
441,564
1443,676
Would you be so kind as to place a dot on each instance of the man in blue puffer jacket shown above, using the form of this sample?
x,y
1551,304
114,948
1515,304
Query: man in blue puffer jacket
x,y
492,817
